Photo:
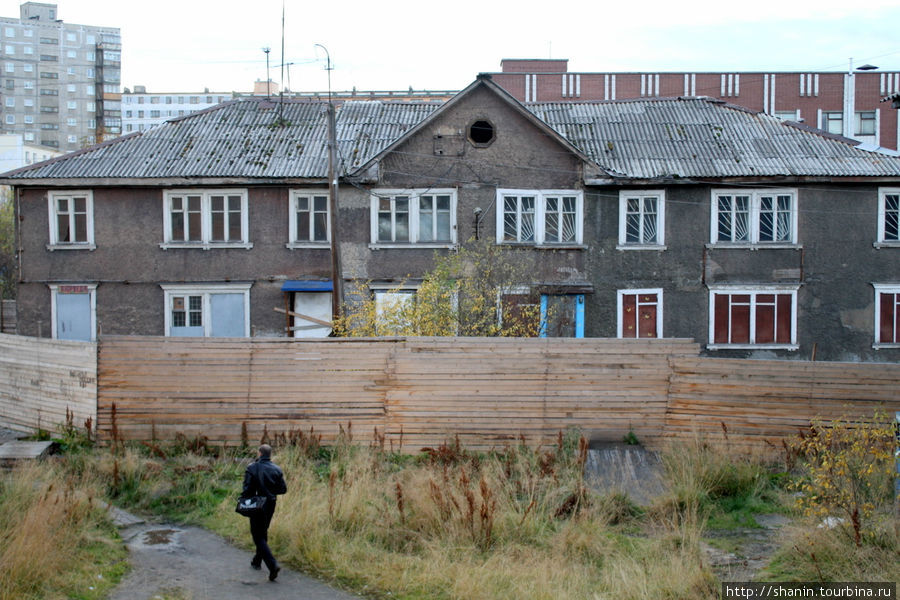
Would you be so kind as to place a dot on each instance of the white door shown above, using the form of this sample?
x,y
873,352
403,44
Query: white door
x,y
73,316
316,305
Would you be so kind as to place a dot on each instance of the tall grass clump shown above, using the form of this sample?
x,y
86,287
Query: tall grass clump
x,y
450,523
56,539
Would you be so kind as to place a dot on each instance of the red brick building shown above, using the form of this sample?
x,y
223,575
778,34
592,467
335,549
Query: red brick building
x,y
847,104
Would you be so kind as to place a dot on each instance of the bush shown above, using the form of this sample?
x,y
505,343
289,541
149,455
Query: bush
x,y
848,471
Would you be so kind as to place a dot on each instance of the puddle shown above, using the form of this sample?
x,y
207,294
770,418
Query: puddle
x,y
159,537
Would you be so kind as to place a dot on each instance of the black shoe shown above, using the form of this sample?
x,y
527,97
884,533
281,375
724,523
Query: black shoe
x,y
256,566
273,574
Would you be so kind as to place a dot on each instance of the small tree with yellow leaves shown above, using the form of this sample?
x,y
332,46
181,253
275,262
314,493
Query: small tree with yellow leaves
x,y
849,470
461,296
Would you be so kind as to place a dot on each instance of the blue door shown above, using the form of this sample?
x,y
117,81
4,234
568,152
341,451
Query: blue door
x,y
73,316
562,315
226,315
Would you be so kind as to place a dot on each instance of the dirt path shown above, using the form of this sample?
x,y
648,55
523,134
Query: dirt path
x,y
190,563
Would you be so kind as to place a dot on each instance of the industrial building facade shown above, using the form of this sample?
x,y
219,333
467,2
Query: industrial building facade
x,y
60,82
842,103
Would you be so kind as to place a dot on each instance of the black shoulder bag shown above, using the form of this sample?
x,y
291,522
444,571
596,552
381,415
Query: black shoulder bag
x,y
253,505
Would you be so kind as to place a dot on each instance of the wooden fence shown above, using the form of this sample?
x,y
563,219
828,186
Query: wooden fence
x,y
758,403
40,379
419,392
416,392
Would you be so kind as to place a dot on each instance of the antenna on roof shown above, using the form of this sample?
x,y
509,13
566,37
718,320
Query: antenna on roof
x,y
328,68
268,79
281,86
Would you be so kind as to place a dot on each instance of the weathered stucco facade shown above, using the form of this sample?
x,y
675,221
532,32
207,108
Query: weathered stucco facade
x,y
812,288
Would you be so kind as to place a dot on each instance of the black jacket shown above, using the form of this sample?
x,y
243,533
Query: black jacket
x,y
263,478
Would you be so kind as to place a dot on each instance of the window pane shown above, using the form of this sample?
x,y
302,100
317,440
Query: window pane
x,y
321,203
551,227
783,318
80,228
443,203
62,227
510,219
401,219
194,226
302,203
721,319
234,228
384,227
426,219
218,226
891,214
320,234
527,223
80,205
765,319
177,226
740,319
303,226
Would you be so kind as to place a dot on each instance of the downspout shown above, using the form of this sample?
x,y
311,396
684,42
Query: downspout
x,y
18,235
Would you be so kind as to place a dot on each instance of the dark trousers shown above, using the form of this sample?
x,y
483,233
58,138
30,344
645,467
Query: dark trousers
x,y
259,529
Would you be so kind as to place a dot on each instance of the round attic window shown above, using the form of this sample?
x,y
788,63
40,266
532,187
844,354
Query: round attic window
x,y
481,133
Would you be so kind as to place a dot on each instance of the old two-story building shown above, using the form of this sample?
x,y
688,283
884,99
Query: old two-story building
x,y
663,217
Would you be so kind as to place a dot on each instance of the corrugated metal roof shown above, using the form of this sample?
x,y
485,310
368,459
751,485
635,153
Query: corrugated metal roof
x,y
251,138
702,137
639,139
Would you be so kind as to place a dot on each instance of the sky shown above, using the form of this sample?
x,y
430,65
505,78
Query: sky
x,y
191,45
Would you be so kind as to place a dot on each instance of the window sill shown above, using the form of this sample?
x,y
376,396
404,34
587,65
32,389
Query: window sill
x,y
544,246
791,347
410,246
657,247
881,245
756,246
308,245
206,246
885,346
54,247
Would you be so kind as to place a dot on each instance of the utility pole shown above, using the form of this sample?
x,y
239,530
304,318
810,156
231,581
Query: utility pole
x,y
337,292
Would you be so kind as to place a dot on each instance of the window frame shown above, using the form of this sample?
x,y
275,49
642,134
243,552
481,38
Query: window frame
x,y
641,195
880,241
414,194
206,226
886,288
204,290
753,291
754,213
540,215
293,241
52,204
620,316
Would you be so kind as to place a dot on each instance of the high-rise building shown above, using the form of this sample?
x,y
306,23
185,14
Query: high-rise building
x,y
60,82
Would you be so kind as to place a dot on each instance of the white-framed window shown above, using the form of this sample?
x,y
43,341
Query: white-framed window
x,y
72,122
421,217
205,219
888,217
753,316
9,32
10,101
28,50
833,122
73,311
887,316
28,101
747,217
540,217
28,68
308,221
72,104
639,313
10,67
29,119
207,310
72,139
865,122
29,84
10,50
71,220
391,304
642,221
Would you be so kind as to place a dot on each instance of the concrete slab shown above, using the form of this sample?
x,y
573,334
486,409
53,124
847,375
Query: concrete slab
x,y
619,467
18,450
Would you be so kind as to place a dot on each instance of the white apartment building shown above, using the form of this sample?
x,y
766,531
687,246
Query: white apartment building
x,y
15,152
60,82
142,110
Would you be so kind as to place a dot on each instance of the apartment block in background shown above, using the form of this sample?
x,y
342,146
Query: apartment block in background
x,y
842,103
60,82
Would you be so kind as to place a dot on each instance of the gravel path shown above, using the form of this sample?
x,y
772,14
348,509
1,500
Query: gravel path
x,y
190,563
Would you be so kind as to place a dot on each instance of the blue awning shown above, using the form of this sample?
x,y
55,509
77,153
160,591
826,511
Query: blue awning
x,y
304,285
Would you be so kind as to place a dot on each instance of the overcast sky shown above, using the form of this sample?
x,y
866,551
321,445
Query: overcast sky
x,y
187,45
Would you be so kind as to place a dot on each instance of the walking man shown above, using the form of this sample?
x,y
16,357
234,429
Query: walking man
x,y
263,478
